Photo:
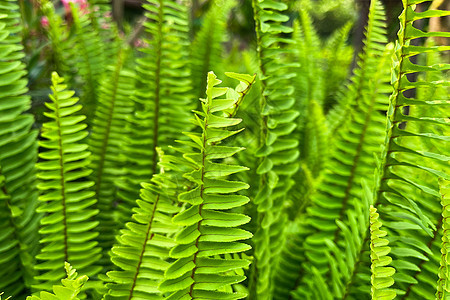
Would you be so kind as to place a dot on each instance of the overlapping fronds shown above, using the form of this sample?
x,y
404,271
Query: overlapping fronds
x,y
346,282
443,288
90,56
163,96
114,109
415,154
18,155
71,287
333,203
207,48
307,47
381,278
210,224
310,94
67,227
143,246
278,149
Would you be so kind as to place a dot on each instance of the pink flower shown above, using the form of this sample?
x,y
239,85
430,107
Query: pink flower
x,y
82,4
44,22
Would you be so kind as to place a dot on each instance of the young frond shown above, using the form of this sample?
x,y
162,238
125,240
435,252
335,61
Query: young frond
x,y
203,267
71,287
381,278
18,154
443,287
68,225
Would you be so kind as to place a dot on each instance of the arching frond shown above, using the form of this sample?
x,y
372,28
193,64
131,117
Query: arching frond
x,y
114,109
351,161
415,154
68,226
18,154
278,149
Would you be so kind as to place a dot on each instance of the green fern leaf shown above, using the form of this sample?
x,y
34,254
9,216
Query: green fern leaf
x,y
106,142
89,54
18,155
71,287
209,225
162,97
379,250
143,246
278,150
351,161
338,55
68,228
415,154
61,44
443,288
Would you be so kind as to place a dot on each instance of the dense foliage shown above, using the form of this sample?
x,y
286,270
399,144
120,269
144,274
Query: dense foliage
x,y
124,159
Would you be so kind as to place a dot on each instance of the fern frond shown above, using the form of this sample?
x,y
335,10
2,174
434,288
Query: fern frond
x,y
381,274
58,36
351,161
315,151
337,54
346,281
309,80
71,287
278,149
143,246
407,194
114,109
443,289
310,94
89,54
18,155
163,97
67,228
209,226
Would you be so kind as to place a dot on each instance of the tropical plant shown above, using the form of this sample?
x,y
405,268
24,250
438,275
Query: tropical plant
x,y
334,190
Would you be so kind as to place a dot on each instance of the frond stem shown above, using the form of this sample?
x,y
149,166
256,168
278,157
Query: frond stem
x,y
157,87
63,180
202,189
